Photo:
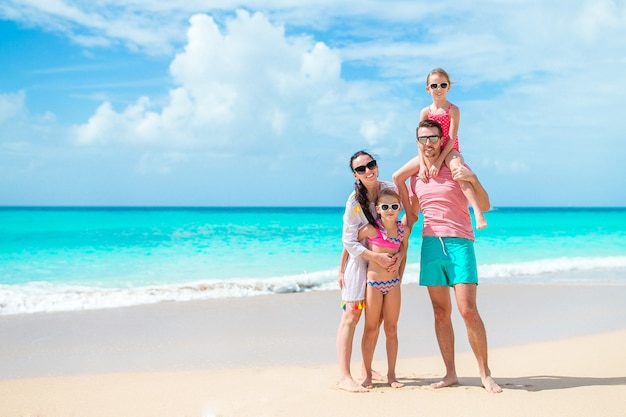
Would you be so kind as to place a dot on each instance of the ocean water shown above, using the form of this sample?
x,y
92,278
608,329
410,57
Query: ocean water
x,y
60,259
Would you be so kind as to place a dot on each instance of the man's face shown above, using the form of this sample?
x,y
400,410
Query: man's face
x,y
428,134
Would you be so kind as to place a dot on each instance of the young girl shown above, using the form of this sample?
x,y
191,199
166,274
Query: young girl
x,y
448,116
382,295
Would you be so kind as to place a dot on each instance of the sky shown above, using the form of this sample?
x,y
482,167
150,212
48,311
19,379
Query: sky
x,y
262,103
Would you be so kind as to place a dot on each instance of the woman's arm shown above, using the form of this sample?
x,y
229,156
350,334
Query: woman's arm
x,y
350,238
342,266
367,231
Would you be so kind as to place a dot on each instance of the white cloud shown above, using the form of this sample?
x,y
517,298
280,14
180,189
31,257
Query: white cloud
x,y
305,80
246,84
11,105
374,131
160,163
103,23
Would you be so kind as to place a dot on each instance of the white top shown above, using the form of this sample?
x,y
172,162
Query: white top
x,y
355,274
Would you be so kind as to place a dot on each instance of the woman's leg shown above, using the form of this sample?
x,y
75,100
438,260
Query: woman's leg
x,y
345,336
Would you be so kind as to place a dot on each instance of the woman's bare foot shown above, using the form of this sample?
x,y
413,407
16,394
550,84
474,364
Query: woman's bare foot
x,y
447,381
490,385
350,385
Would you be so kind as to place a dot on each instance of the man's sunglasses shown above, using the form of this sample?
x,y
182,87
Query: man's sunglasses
x,y
392,206
424,139
370,165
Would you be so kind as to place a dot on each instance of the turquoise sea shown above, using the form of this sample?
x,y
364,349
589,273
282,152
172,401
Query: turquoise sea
x,y
59,259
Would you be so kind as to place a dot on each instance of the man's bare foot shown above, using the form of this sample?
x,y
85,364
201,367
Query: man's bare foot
x,y
394,383
350,385
490,385
445,382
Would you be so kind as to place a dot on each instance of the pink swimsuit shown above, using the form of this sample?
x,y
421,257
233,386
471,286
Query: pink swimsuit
x,y
444,121
383,241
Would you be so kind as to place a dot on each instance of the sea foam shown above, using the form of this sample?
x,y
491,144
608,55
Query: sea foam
x,y
40,297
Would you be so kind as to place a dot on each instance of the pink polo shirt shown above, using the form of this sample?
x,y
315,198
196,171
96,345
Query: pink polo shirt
x,y
444,206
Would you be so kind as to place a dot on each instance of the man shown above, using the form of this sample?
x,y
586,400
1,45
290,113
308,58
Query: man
x,y
447,255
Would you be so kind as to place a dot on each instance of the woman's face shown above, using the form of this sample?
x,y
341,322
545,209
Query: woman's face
x,y
370,174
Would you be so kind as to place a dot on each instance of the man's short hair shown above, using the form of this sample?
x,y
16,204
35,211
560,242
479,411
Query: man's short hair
x,y
430,123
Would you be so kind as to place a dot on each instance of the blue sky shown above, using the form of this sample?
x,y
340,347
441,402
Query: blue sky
x,y
251,103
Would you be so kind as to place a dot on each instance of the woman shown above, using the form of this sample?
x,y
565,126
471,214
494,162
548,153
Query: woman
x,y
360,210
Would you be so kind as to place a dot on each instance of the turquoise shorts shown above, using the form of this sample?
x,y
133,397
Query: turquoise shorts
x,y
447,261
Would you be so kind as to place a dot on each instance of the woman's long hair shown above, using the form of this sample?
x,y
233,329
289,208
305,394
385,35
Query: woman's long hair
x,y
361,192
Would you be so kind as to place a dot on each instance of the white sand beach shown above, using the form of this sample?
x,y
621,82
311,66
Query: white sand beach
x,y
557,350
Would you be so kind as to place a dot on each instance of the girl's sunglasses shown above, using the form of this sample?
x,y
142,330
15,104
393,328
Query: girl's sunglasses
x,y
434,86
370,165
393,206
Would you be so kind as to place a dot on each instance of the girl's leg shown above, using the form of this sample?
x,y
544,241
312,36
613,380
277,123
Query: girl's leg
x,y
453,160
374,303
391,314
345,336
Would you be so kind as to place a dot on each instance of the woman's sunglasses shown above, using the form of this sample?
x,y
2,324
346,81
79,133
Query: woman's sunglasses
x,y
392,206
434,86
370,165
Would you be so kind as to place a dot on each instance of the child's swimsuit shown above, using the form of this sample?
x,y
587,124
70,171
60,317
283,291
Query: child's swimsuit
x,y
383,241
444,120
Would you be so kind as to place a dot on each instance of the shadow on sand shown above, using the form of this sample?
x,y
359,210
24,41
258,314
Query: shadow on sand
x,y
527,383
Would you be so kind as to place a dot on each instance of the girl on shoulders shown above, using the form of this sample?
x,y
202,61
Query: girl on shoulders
x,y
448,115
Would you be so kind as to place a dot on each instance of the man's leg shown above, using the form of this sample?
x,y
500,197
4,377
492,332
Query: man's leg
x,y
442,309
466,301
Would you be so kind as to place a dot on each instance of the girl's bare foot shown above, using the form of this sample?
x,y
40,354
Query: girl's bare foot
x,y
490,385
376,376
367,383
350,385
481,222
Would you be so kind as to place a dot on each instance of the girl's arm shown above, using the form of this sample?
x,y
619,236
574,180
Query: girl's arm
x,y
404,246
423,172
455,116
399,179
